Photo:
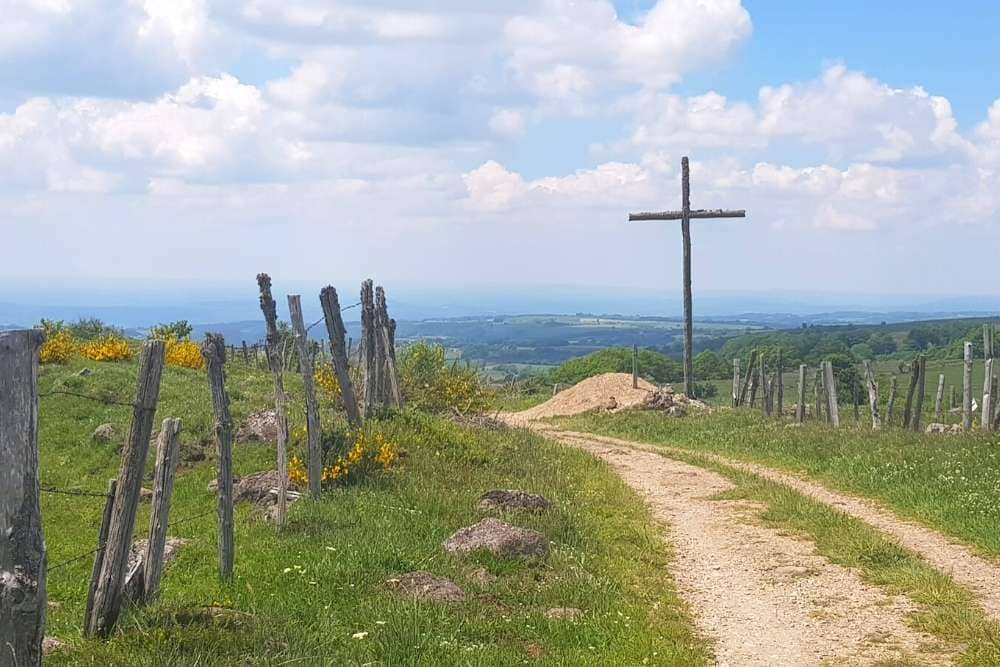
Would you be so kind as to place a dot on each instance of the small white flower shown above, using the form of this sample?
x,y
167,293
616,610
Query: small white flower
x,y
359,635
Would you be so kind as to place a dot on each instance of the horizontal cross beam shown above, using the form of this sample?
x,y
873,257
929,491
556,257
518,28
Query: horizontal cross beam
x,y
700,214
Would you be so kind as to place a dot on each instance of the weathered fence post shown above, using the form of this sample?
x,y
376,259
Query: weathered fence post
x,y
635,369
274,359
23,593
781,382
832,409
939,399
736,382
967,389
801,408
308,367
891,405
213,349
246,354
167,446
102,540
368,348
745,388
914,378
872,382
818,396
391,393
110,586
341,357
953,397
918,410
987,413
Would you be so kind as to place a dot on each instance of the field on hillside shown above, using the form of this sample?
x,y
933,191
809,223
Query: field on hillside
x,y
315,594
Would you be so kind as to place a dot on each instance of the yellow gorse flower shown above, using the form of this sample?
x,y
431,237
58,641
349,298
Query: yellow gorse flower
x,y
58,348
183,353
108,347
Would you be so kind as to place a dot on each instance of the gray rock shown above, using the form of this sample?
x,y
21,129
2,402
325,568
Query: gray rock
x,y
104,433
500,539
259,427
563,614
256,487
936,427
791,571
508,500
422,585
84,372
52,645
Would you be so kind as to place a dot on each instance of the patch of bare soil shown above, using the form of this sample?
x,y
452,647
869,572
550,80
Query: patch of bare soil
x,y
610,391
765,598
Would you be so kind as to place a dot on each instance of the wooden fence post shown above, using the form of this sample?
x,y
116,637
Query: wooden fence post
x,y
108,596
801,408
781,382
308,367
818,396
872,382
987,413
246,354
891,405
918,410
369,349
832,409
102,540
274,359
23,593
745,388
914,378
635,370
736,382
386,331
939,399
167,446
967,389
213,349
341,357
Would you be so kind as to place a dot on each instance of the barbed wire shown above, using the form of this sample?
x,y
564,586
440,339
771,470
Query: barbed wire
x,y
68,561
191,518
98,399
73,492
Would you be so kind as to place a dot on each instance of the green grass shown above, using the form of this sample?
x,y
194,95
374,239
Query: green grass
x,y
947,482
947,611
301,596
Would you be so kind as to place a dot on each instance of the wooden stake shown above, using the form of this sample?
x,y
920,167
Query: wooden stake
x,y
987,413
781,382
736,382
939,398
274,359
108,595
167,446
801,408
635,369
745,388
918,410
307,365
893,388
102,539
967,389
368,349
213,349
765,399
832,409
23,593
914,379
340,355
872,382
392,393
819,397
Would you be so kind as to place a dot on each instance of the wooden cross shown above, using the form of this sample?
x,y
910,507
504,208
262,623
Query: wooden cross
x,y
686,215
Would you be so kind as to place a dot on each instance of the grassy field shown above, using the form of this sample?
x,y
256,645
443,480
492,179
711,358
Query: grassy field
x,y
951,483
315,593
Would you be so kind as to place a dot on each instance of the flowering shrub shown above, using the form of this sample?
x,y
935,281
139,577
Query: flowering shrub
x,y
184,353
59,346
431,383
109,347
326,380
348,458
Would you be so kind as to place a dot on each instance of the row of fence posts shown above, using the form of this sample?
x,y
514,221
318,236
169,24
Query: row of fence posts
x,y
757,379
23,561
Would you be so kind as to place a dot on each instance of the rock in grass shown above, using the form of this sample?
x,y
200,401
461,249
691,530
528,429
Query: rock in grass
x,y
104,433
500,539
563,614
943,428
259,427
422,585
52,645
508,500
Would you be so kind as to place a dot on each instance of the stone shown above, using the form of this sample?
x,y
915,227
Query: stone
x,y
104,433
145,495
509,500
259,427
213,486
423,585
936,427
52,645
791,571
676,411
500,539
134,584
255,487
84,372
563,614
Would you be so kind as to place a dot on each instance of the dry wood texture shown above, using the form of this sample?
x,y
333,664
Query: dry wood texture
x,y
830,388
307,366
967,389
167,447
23,598
339,352
274,359
872,384
801,407
213,349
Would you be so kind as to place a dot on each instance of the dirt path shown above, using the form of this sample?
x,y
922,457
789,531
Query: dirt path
x,y
977,574
764,598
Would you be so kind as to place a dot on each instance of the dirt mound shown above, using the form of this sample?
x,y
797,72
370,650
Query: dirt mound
x,y
610,391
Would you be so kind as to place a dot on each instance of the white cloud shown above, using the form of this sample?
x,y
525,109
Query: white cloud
x,y
508,123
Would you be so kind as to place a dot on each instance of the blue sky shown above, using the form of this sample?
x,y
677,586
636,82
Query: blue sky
x,y
500,143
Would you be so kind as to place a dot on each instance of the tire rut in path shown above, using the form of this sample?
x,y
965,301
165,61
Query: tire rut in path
x,y
763,597
976,574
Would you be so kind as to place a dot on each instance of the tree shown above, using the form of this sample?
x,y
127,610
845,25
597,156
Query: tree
x,y
179,330
709,366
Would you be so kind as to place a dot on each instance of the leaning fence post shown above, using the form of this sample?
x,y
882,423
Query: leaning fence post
x,y
833,411
891,405
914,379
108,596
163,487
275,361
23,595
967,389
736,378
918,410
102,539
635,369
213,349
801,408
939,399
872,383
781,382
339,353
307,365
